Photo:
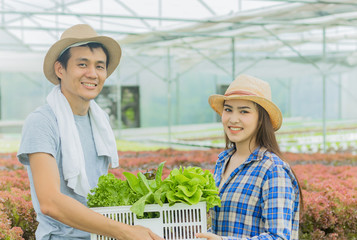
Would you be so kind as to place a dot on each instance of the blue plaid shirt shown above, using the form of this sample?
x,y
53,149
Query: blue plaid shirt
x,y
260,199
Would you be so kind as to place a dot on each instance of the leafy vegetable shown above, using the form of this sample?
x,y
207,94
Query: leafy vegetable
x,y
150,189
187,185
191,185
111,191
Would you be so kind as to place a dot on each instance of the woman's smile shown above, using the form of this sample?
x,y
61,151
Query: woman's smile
x,y
235,130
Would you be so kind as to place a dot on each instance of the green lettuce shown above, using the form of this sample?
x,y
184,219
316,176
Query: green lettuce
x,y
150,190
191,185
184,185
111,191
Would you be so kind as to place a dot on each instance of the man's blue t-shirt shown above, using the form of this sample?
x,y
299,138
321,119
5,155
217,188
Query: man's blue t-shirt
x,y
41,134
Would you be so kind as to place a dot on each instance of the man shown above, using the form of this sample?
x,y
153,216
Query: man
x,y
68,143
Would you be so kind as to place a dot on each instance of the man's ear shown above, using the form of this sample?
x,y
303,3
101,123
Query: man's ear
x,y
58,69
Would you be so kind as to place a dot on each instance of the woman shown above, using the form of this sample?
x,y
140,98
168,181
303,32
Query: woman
x,y
259,192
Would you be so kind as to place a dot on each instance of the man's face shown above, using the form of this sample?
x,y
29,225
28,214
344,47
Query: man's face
x,y
84,77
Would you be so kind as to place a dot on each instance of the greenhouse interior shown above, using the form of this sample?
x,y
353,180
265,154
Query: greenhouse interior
x,y
176,54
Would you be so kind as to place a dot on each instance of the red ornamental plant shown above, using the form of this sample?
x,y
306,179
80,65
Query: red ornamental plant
x,y
14,179
6,230
172,158
330,198
330,192
17,216
16,205
330,158
9,161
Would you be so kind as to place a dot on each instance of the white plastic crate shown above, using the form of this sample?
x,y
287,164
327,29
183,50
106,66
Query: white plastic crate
x,y
180,221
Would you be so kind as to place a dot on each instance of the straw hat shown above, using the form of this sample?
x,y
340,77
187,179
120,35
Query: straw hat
x,y
76,34
249,88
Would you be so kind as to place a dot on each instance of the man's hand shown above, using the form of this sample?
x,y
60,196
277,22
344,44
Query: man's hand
x,y
138,232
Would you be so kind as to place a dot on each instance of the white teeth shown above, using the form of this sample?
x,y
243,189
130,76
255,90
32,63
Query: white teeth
x,y
89,84
235,129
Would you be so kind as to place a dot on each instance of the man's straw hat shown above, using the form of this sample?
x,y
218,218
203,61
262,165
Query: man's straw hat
x,y
76,34
249,88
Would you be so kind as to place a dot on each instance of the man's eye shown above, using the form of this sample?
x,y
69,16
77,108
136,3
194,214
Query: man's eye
x,y
82,65
101,67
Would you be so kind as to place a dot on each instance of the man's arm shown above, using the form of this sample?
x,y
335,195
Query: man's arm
x,y
71,212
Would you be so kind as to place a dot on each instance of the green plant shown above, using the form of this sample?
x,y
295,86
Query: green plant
x,y
187,185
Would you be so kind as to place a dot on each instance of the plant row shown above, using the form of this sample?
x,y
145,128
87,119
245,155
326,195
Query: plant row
x,y
330,192
134,160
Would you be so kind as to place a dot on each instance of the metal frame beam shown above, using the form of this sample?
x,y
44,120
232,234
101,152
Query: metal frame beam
x,y
110,16
135,16
203,3
145,67
131,11
314,2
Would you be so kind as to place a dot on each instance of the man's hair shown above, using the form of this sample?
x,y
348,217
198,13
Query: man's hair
x,y
65,56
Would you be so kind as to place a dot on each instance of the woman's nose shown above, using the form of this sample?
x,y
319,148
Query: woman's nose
x,y
234,118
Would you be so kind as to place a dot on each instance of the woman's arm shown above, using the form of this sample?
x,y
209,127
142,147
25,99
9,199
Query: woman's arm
x,y
71,212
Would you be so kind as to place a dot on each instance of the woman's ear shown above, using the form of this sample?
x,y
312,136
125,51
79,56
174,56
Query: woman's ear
x,y
58,69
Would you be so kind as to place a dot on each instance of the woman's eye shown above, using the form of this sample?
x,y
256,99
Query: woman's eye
x,y
227,110
244,111
100,67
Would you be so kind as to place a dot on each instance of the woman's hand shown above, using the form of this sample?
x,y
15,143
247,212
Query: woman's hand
x,y
209,236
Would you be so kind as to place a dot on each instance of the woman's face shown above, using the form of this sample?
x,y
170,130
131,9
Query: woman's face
x,y
240,120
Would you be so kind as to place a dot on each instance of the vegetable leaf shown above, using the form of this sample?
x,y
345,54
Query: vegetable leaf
x,y
133,182
188,185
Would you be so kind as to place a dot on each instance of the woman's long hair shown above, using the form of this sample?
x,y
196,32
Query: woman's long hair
x,y
265,137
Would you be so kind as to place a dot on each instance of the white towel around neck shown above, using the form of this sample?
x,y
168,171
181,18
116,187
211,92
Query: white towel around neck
x,y
73,162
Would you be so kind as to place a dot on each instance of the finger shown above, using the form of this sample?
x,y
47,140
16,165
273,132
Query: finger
x,y
206,235
154,236
202,235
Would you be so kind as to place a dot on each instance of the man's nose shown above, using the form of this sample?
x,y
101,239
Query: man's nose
x,y
91,72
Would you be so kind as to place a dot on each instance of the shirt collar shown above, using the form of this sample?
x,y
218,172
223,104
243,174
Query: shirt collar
x,y
256,155
223,156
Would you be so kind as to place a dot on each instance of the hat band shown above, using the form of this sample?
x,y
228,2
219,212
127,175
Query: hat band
x,y
77,44
239,92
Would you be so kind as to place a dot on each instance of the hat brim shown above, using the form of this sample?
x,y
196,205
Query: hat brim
x,y
216,102
52,55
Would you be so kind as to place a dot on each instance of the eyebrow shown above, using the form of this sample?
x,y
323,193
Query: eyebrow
x,y
87,60
240,107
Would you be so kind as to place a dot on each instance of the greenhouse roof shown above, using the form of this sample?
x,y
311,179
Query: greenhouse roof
x,y
302,31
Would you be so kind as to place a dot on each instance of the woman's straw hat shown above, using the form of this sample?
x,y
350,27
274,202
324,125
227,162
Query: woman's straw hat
x,y
249,88
76,34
